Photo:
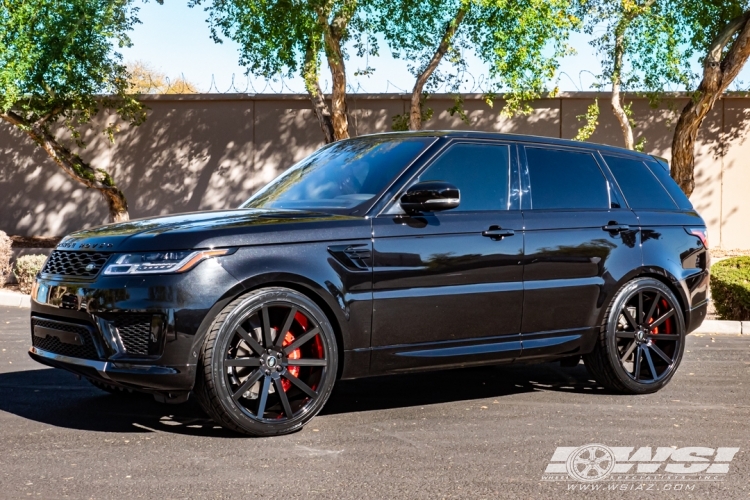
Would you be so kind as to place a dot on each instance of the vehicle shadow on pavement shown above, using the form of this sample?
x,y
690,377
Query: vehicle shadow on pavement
x,y
58,398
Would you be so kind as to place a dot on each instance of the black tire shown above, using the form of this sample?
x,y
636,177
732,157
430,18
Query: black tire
x,y
112,389
242,388
641,340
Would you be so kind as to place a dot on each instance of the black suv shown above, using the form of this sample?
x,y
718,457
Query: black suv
x,y
386,254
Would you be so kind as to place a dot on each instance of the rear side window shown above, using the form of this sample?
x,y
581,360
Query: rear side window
x,y
661,171
641,188
480,172
562,179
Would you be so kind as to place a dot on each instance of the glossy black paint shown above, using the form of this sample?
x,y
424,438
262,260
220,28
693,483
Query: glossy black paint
x,y
402,291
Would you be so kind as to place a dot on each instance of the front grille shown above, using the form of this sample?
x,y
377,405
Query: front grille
x,y
53,344
76,264
135,332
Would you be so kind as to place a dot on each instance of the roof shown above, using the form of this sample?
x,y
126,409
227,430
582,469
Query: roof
x,y
515,138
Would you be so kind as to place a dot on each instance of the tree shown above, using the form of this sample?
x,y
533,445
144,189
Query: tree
x,y
143,79
57,63
520,41
642,47
720,32
289,36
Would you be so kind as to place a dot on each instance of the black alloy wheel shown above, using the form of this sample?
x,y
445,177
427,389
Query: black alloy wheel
x,y
269,363
642,340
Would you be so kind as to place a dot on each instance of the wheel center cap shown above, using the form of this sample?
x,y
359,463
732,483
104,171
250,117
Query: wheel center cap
x,y
640,335
271,361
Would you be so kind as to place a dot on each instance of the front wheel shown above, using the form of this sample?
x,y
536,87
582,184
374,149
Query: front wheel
x,y
268,363
641,341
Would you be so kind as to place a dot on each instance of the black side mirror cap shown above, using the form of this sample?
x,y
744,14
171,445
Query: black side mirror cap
x,y
430,196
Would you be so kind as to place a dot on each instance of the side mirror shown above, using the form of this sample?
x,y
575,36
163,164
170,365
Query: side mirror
x,y
430,196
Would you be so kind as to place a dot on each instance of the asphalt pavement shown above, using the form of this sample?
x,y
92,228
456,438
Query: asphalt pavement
x,y
471,433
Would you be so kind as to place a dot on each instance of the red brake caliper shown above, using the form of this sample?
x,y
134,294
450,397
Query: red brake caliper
x,y
667,324
295,354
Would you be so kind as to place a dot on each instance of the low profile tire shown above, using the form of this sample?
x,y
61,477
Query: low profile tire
x,y
268,363
641,341
112,389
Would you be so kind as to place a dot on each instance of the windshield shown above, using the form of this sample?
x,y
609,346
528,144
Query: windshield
x,y
340,177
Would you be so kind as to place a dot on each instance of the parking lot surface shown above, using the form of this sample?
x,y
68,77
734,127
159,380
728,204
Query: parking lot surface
x,y
472,433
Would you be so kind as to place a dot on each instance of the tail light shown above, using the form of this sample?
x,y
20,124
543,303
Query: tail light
x,y
700,232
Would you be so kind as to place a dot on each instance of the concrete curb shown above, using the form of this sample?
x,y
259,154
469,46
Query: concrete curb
x,y
10,299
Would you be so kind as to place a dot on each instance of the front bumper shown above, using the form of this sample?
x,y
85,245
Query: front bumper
x,y
140,332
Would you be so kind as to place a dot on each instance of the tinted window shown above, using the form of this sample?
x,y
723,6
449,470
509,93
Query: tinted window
x,y
638,184
340,176
479,171
565,180
661,171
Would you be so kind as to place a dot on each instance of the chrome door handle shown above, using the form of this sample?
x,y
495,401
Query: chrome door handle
x,y
497,233
616,228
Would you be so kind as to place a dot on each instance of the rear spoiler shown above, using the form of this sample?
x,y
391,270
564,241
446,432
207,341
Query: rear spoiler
x,y
662,161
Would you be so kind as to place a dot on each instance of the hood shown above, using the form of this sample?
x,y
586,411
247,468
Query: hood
x,y
217,229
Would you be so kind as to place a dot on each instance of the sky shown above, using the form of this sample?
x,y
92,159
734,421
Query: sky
x,y
175,39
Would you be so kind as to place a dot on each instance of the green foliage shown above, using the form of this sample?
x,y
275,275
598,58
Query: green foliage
x,y
520,41
730,288
592,121
26,269
58,61
5,255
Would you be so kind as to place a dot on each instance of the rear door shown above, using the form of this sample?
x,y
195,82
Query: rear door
x,y
445,293
580,241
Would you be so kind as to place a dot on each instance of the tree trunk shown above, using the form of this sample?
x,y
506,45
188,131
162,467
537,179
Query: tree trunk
x,y
74,166
338,92
617,109
415,110
717,75
312,84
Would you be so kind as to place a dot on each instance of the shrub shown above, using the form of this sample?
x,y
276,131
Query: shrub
x,y
27,267
730,288
5,254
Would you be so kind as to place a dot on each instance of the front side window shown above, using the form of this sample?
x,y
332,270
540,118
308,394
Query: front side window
x,y
479,171
566,180
340,177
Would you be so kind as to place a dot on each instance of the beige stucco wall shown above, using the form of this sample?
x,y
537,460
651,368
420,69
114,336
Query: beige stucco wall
x,y
212,151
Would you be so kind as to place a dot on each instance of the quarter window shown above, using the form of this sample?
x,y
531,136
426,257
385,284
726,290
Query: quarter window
x,y
480,172
562,179
640,187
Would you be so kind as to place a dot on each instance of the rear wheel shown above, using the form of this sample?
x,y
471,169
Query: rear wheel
x,y
268,363
641,341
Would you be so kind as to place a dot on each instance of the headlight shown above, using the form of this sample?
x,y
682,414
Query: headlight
x,y
160,262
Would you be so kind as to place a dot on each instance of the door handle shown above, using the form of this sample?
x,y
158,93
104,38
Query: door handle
x,y
497,233
613,227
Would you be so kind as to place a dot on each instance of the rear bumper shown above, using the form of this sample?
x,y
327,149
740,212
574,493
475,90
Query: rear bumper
x,y
695,316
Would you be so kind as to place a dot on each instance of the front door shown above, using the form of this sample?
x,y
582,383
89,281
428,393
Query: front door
x,y
447,286
580,239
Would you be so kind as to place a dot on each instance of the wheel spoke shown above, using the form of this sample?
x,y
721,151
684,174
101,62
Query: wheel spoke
x,y
306,362
254,377
660,353
652,369
641,319
653,308
664,336
664,317
624,335
630,319
301,340
263,397
284,399
267,340
250,340
637,369
287,325
239,362
300,385
629,351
